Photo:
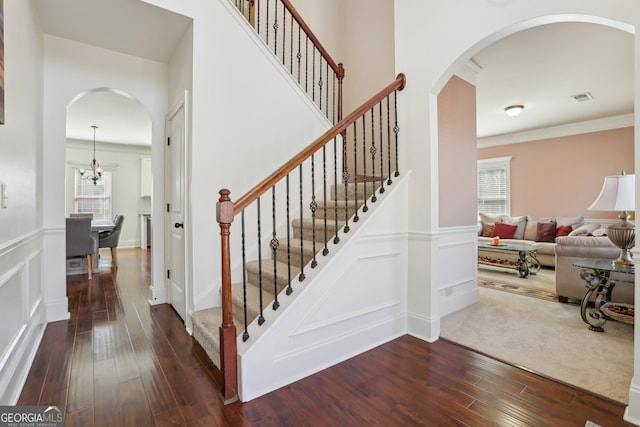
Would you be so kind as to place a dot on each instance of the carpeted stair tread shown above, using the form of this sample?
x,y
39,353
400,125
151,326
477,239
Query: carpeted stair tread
x,y
294,255
253,270
205,326
340,204
253,300
351,187
307,228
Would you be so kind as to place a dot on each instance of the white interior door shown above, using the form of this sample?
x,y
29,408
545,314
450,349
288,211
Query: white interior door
x,y
175,212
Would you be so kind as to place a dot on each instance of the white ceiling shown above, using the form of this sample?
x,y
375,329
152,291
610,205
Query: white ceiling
x,y
540,68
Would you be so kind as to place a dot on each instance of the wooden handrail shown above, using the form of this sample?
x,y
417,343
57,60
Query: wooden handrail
x,y
337,68
284,170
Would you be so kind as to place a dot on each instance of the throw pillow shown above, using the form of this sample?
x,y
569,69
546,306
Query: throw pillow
x,y
531,230
504,231
575,221
583,230
546,232
487,230
486,218
563,230
520,221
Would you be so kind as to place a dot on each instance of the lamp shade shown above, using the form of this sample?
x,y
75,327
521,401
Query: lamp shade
x,y
617,194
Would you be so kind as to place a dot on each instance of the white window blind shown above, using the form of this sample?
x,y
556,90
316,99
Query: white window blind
x,y
494,186
95,199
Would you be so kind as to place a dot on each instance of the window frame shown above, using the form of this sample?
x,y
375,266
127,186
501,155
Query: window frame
x,y
495,163
106,195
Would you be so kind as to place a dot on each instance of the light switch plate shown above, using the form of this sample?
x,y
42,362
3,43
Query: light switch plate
x,y
4,196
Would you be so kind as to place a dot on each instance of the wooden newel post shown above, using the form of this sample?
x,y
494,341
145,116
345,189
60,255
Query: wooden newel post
x,y
340,78
228,335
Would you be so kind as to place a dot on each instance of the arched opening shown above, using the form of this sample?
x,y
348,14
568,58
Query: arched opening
x,y
121,146
533,190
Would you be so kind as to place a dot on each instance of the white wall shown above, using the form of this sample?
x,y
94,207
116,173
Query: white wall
x,y
70,69
21,236
125,162
433,41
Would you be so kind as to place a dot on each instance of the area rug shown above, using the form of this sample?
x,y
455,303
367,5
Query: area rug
x,y
548,338
541,285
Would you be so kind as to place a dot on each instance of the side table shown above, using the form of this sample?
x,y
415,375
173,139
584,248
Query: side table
x,y
596,272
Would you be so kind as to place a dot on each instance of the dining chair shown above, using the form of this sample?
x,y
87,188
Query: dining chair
x,y
81,215
80,241
111,238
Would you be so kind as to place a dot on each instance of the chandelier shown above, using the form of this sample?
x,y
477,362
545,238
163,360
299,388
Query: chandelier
x,y
95,173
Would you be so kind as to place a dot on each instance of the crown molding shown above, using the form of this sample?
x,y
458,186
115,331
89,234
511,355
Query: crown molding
x,y
597,125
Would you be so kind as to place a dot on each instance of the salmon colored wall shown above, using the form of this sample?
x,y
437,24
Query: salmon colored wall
x,y
457,153
563,176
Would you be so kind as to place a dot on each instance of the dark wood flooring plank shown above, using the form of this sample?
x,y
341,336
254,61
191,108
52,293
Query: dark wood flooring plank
x,y
81,418
134,404
107,410
81,381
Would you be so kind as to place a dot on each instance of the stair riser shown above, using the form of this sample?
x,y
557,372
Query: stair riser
x,y
331,213
267,281
350,189
307,233
283,257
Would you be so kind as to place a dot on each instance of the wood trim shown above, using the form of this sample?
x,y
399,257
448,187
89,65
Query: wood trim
x,y
284,170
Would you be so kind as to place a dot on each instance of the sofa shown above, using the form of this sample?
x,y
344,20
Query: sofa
x,y
569,285
529,230
564,241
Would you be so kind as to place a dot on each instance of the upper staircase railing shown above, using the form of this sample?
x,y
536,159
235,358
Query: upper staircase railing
x,y
362,151
297,47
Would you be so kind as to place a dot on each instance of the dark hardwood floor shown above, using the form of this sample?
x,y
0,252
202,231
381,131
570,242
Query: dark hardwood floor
x,y
120,362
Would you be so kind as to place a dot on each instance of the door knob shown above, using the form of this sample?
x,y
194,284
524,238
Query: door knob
x,y
179,225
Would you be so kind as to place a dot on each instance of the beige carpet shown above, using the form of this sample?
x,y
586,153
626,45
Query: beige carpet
x,y
549,338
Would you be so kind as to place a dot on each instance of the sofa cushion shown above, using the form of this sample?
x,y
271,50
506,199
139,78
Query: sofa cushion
x,y
585,229
531,230
520,221
575,221
487,229
504,231
546,232
563,230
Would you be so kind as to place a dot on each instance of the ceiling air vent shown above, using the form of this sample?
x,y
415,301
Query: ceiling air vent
x,y
581,97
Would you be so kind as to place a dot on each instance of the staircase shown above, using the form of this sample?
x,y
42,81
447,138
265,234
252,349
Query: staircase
x,y
357,148
206,322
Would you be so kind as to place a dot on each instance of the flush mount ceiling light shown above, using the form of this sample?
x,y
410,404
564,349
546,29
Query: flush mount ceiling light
x,y
513,110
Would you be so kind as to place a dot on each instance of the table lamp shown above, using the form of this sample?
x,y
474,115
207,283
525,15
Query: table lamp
x,y
618,194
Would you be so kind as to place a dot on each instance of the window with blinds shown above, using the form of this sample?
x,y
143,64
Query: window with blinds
x,y
95,199
494,186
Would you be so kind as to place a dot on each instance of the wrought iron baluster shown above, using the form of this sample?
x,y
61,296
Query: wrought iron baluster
x,y
261,317
325,251
299,54
365,206
334,100
258,15
284,34
320,84
245,333
326,102
356,218
301,277
345,180
289,288
372,150
275,30
306,66
336,239
389,181
381,148
314,207
274,248
313,74
396,129
291,48
267,24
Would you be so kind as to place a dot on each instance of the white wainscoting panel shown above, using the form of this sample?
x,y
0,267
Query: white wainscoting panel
x,y
457,279
23,314
355,302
